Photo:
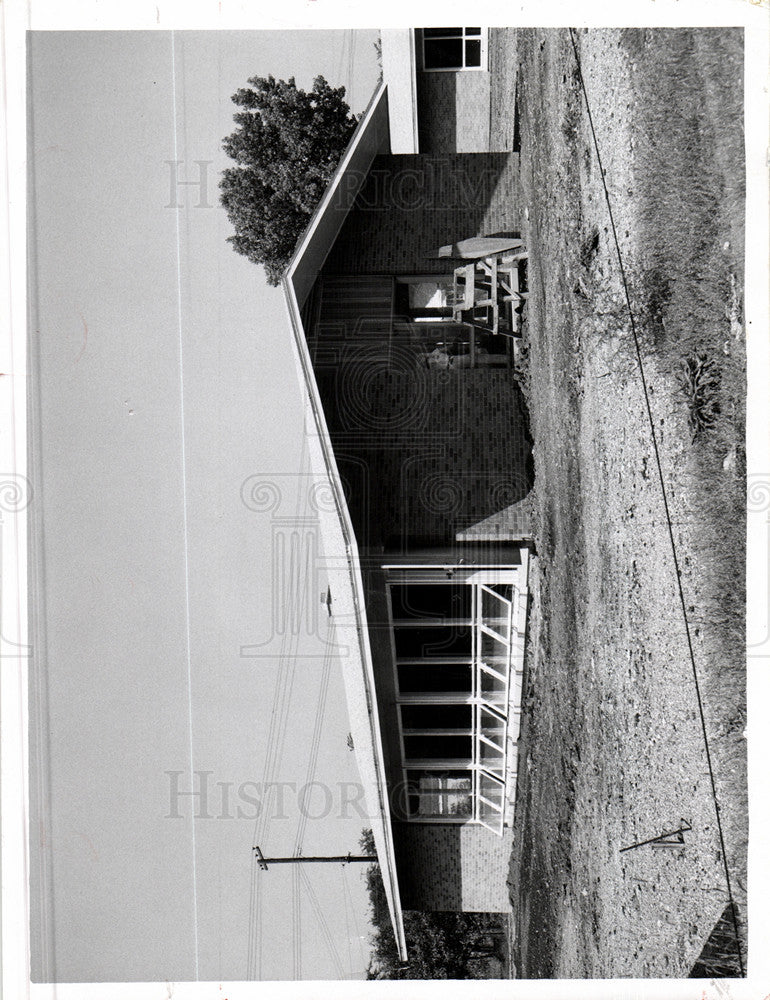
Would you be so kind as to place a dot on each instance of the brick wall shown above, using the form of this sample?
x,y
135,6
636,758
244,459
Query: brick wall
x,y
423,454
453,112
447,867
412,205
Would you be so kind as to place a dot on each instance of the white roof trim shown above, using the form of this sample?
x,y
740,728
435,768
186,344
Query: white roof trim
x,y
370,137
342,564
348,610
340,547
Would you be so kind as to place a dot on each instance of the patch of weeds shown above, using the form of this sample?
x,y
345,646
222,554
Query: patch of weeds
x,y
700,380
589,248
579,289
572,113
719,958
521,371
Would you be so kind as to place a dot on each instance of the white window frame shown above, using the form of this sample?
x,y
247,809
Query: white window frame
x,y
483,62
485,812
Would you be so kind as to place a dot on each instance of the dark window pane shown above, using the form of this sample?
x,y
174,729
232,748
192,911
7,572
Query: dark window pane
x,y
434,600
437,716
444,53
438,747
473,31
418,642
473,53
441,32
431,677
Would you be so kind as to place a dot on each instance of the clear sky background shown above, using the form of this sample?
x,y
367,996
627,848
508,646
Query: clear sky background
x,y
162,381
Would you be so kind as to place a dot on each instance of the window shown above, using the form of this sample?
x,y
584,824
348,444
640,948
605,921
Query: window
x,y
440,795
423,316
435,676
424,298
454,49
455,635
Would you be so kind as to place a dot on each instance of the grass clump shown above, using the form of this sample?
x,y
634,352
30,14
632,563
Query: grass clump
x,y
700,379
720,958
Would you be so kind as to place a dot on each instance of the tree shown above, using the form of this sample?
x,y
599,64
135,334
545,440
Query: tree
x,y
440,945
286,147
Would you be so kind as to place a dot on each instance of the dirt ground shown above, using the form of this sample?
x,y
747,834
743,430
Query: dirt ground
x,y
612,739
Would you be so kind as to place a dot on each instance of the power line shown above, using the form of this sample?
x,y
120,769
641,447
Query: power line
x,y
292,608
359,935
278,718
296,923
328,936
350,906
315,741
665,502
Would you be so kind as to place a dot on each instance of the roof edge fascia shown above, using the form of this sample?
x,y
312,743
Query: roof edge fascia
x,y
334,182
357,590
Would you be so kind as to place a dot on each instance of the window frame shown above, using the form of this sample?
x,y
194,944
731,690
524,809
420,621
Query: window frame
x,y
483,60
481,579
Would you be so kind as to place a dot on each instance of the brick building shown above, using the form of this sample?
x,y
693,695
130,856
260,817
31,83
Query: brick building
x,y
419,439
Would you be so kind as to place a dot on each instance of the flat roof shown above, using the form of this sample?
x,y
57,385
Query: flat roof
x,y
372,136
341,559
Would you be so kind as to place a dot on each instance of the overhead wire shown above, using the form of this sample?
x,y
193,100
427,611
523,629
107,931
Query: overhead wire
x,y
315,743
324,925
291,610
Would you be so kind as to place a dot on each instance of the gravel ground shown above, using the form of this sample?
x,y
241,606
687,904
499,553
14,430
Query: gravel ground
x,y
612,736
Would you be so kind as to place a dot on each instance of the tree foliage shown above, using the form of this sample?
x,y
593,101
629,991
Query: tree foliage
x,y
440,945
286,146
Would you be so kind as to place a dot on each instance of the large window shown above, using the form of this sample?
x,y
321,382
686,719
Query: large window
x,y
457,638
454,48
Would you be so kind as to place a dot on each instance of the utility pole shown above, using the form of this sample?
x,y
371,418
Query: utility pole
x,y
340,859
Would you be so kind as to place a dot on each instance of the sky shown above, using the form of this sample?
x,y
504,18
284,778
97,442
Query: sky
x,y
163,394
